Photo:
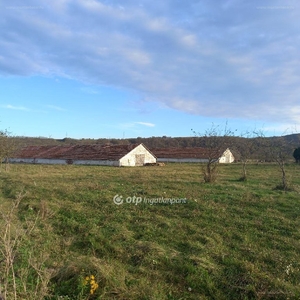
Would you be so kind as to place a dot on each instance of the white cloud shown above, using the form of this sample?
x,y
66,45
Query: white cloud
x,y
8,106
209,58
189,40
137,57
54,107
145,124
132,125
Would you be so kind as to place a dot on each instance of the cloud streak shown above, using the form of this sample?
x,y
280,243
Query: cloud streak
x,y
145,124
8,106
54,107
135,125
228,59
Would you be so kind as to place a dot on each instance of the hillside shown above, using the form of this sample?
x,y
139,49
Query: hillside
x,y
236,143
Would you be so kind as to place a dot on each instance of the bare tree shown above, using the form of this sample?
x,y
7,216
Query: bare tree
x,y
7,147
215,141
247,147
277,149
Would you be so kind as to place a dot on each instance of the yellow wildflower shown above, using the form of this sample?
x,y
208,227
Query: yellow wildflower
x,y
90,280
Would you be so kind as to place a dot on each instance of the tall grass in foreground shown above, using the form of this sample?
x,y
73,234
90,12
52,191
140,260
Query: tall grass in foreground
x,y
22,270
64,238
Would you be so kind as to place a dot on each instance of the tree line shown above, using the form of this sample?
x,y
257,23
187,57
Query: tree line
x,y
238,144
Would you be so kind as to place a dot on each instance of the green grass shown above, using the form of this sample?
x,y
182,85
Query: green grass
x,y
231,240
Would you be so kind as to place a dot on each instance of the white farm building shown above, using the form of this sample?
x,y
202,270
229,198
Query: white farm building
x,y
107,155
193,155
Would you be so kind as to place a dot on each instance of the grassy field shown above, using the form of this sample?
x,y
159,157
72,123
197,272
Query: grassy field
x,y
63,237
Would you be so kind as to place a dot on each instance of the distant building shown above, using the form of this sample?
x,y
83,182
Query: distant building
x,y
192,155
107,155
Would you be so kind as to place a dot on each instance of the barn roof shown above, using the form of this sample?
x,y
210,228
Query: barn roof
x,y
188,152
79,152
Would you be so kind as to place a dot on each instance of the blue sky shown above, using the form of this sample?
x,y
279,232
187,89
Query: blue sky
x,y
113,69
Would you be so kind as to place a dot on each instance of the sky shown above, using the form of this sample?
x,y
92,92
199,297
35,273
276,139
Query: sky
x,y
125,69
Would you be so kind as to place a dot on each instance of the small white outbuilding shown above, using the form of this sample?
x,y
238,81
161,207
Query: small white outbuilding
x,y
107,155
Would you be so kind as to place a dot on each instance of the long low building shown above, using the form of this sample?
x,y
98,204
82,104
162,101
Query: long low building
x,y
192,155
107,155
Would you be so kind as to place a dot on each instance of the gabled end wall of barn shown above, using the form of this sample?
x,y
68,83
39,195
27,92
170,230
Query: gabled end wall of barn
x,y
227,157
137,157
